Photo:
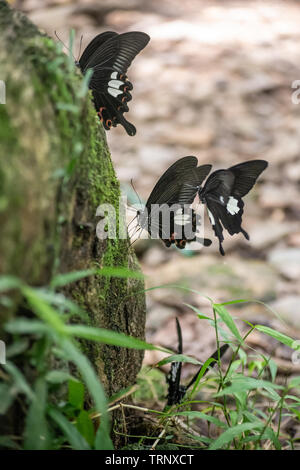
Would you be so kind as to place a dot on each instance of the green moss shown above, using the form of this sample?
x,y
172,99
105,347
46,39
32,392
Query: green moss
x,y
55,171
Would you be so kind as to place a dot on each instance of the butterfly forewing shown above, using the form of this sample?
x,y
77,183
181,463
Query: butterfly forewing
x,y
246,175
118,51
93,46
173,186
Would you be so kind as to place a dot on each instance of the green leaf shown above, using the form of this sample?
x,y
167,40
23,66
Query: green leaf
x,y
58,377
227,319
17,347
63,279
9,282
19,380
85,83
243,384
196,310
7,443
178,358
36,426
200,415
7,395
26,326
202,372
109,337
238,301
76,440
273,369
102,441
270,434
85,426
43,309
62,303
275,334
233,432
76,394
294,382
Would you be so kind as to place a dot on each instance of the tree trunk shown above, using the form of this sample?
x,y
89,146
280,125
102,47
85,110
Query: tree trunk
x,y
55,170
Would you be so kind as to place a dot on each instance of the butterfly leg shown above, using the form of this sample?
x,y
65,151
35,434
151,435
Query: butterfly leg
x,y
245,234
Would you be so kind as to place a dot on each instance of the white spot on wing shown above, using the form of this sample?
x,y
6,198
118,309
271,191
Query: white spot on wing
x,y
232,206
181,219
115,83
222,199
211,217
114,92
114,75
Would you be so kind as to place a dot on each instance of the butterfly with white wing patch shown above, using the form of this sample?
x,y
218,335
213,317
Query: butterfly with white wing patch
x,y
109,55
223,192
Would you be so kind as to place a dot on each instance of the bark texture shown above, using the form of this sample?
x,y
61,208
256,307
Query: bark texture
x,y
55,169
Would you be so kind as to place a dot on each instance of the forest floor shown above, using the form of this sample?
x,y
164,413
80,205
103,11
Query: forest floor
x,y
215,81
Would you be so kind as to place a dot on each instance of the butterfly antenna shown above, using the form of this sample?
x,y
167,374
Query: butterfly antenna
x,y
64,45
80,44
131,182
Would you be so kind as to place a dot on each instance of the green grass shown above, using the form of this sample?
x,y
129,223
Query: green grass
x,y
240,406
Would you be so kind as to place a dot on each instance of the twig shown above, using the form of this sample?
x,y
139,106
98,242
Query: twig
x,y
163,432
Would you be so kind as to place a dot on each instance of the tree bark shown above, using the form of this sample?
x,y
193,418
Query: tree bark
x,y
55,169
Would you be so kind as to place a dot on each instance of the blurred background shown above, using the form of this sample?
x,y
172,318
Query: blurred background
x,y
215,82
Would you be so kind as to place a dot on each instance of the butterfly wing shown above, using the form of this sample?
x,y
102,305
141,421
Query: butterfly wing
x,y
222,194
170,190
116,52
92,47
245,176
174,376
172,187
111,114
109,55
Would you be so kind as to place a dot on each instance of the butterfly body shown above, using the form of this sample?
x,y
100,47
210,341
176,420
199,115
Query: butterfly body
x,y
109,55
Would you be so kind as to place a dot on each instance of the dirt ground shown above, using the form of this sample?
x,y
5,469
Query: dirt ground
x,y
215,81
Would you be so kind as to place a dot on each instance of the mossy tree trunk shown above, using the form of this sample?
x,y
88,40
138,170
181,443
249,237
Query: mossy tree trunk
x,y
55,169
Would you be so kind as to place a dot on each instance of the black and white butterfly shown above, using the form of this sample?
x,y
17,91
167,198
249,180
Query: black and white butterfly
x,y
223,192
176,390
109,55
167,213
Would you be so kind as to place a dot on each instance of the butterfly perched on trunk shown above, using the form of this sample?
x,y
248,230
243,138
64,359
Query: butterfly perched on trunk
x,y
109,55
177,391
223,192
167,214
